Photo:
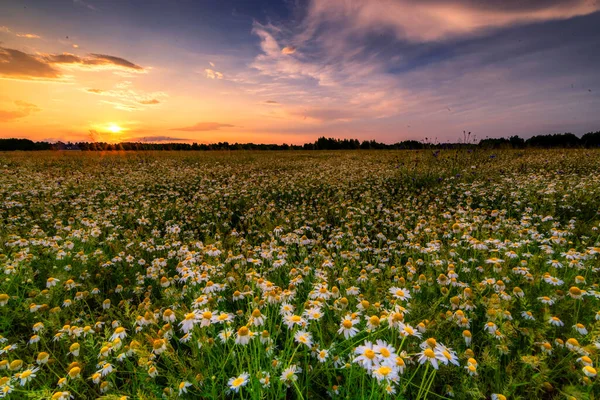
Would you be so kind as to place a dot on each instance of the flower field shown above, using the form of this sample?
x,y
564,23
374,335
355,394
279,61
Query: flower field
x,y
300,275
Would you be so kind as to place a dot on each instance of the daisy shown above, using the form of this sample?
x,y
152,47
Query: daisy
x,y
27,375
188,323
385,372
581,329
237,382
120,333
428,355
347,327
400,293
183,387
555,321
304,338
243,335
289,375
367,358
322,355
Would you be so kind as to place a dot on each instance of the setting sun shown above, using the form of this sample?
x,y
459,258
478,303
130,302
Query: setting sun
x,y
114,128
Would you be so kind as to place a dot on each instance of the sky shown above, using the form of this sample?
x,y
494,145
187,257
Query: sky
x,y
290,71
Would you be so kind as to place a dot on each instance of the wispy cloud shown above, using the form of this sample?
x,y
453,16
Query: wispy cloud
x,y
28,36
204,127
429,20
128,98
85,4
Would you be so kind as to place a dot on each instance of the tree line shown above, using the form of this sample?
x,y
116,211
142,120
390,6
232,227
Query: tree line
x,y
558,140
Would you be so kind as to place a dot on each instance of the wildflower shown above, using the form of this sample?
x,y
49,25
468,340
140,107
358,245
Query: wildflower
x,y
188,323
322,355
106,369
27,375
120,333
581,329
237,382
243,335
347,327
289,375
428,355
385,372
42,358
304,338
74,372
367,357
400,294
74,349
183,387
62,396
555,321
589,371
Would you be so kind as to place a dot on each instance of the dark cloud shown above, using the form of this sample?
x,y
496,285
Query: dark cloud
x,y
271,102
93,59
16,64
203,127
19,65
95,91
112,60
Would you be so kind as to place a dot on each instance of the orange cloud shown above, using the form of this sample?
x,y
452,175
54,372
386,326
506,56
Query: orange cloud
x,y
204,126
28,36
212,74
23,110
288,50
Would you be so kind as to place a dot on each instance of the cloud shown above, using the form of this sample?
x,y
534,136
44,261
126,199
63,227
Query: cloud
x,y
127,98
19,65
149,102
23,110
28,36
359,74
104,59
85,4
93,60
15,64
212,74
204,127
4,29
288,50
155,139
272,102
327,114
432,20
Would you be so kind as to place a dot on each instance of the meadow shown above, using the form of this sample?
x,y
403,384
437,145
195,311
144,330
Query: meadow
x,y
446,274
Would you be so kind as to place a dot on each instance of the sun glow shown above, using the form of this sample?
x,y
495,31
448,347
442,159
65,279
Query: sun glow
x,y
114,128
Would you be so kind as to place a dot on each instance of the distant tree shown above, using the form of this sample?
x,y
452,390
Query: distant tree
x,y
591,139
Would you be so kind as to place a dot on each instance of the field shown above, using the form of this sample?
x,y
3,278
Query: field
x,y
300,275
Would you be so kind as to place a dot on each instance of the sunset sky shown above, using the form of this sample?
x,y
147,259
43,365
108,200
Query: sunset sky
x,y
290,71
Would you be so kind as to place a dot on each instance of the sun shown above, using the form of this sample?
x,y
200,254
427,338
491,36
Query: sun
x,y
114,128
